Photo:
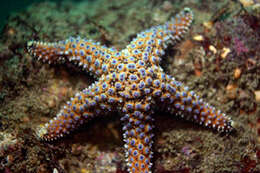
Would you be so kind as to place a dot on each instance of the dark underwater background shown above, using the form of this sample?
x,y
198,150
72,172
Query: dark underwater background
x,y
13,6
218,58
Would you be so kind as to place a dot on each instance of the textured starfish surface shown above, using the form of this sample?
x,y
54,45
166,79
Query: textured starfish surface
x,y
130,82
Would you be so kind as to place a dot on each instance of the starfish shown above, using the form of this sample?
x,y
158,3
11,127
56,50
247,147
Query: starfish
x,y
130,82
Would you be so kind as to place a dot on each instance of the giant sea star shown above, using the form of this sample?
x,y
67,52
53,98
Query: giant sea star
x,y
130,82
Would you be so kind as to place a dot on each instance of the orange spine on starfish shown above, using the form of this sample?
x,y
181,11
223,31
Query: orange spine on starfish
x,y
89,55
138,136
181,101
97,99
149,45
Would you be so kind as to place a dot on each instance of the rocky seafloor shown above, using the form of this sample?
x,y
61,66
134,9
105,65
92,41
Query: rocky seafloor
x,y
219,58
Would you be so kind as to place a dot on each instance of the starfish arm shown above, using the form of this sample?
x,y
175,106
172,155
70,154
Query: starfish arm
x,y
91,102
179,100
150,44
138,136
87,54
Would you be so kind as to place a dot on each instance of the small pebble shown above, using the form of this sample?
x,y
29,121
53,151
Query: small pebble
x,y
237,73
167,6
257,96
198,38
225,52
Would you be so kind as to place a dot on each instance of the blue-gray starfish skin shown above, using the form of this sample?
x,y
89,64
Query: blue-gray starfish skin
x,y
130,82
